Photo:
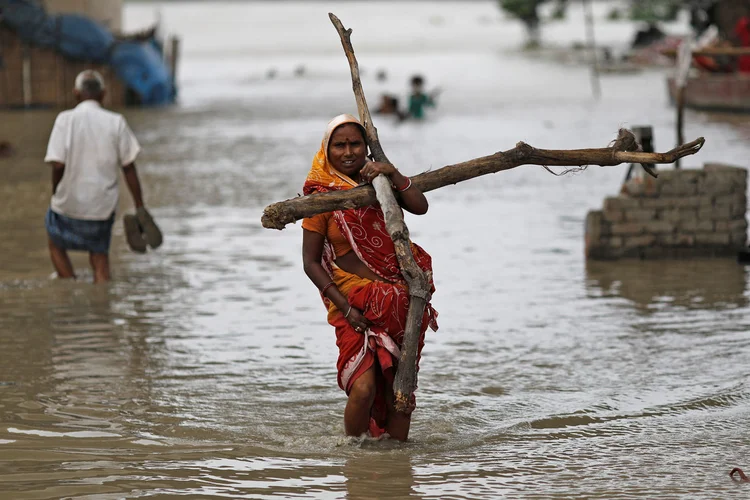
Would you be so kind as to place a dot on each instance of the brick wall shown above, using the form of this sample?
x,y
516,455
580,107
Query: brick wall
x,y
682,214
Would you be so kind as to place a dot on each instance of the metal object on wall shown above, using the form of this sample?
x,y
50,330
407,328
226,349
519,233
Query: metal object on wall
x,y
645,137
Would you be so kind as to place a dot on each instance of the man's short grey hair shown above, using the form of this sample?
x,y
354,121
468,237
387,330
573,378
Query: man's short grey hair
x,y
90,82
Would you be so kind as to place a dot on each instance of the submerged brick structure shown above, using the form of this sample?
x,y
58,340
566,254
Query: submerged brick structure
x,y
682,214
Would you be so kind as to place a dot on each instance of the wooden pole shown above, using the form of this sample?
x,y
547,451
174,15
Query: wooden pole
x,y
174,54
26,76
59,81
684,61
596,86
4,87
680,123
278,215
405,382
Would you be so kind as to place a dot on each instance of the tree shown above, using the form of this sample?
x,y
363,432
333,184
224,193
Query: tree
x,y
653,11
527,11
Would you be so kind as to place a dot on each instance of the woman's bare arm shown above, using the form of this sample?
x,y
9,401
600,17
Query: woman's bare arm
x,y
312,252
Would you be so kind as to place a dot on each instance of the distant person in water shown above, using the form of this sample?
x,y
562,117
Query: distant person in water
x,y
418,100
709,39
87,149
389,106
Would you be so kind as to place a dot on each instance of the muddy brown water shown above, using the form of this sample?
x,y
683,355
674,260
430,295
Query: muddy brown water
x,y
206,369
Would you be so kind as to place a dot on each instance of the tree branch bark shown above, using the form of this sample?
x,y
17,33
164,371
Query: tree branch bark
x,y
405,382
278,215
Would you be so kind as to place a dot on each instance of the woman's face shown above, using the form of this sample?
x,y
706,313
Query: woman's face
x,y
347,150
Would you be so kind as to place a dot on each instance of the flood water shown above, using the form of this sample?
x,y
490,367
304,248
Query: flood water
x,y
206,369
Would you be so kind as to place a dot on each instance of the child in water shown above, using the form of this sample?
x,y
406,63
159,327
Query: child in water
x,y
418,100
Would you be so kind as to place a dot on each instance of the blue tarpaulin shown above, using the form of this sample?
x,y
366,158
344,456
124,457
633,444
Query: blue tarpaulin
x,y
139,64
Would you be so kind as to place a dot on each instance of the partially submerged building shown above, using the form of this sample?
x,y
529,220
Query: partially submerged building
x,y
44,45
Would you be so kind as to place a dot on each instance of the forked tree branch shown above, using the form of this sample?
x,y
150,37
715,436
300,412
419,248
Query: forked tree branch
x,y
405,382
278,215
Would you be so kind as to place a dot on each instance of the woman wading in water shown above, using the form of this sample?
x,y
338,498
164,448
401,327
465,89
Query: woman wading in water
x,y
350,257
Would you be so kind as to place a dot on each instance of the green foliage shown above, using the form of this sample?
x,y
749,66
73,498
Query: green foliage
x,y
559,13
655,10
525,10
614,14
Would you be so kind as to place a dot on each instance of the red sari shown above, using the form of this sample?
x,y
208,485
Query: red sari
x,y
384,304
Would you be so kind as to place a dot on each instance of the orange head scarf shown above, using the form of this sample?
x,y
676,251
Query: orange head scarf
x,y
364,227
323,176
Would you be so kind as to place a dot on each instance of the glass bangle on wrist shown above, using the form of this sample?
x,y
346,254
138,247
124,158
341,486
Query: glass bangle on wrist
x,y
325,289
405,186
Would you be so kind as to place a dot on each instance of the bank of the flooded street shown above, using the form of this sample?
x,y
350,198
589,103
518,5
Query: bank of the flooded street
x,y
207,368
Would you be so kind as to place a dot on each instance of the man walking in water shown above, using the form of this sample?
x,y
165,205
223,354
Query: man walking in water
x,y
87,148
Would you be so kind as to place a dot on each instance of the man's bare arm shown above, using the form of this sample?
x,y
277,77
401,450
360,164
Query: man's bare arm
x,y
58,169
134,185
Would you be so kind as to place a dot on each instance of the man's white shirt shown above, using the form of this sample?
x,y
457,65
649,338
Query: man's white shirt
x,y
94,144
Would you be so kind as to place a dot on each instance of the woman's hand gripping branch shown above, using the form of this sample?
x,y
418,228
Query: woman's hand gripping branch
x,y
312,250
409,196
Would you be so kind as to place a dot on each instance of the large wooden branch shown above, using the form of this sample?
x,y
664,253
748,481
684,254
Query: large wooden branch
x,y
405,382
713,51
364,112
278,215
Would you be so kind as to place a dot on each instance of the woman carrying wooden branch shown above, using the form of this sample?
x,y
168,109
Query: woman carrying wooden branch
x,y
351,258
